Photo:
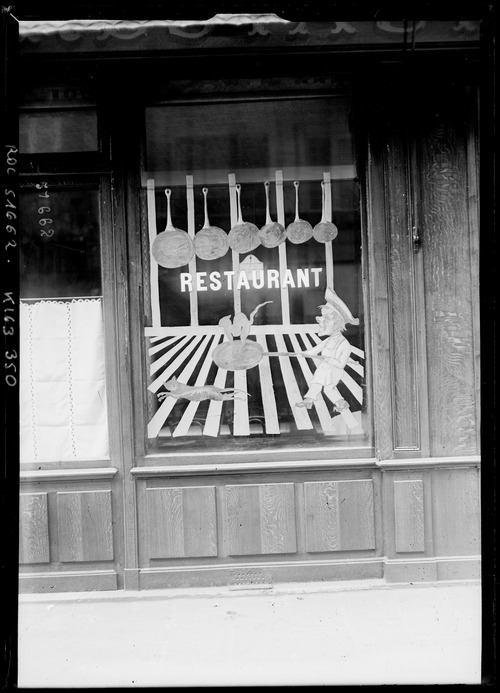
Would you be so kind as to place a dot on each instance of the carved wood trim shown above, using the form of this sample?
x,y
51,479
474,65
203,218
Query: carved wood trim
x,y
225,469
88,474
431,462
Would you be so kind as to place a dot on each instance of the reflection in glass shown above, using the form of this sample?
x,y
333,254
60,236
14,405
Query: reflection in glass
x,y
45,132
59,242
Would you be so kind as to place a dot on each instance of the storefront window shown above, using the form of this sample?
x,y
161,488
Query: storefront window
x,y
58,118
58,131
59,247
257,332
62,383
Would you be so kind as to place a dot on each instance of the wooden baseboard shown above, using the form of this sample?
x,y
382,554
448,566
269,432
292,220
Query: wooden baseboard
x,y
81,581
263,574
255,575
432,569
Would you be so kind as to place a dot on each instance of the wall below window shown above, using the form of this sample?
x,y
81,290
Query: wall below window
x,y
349,520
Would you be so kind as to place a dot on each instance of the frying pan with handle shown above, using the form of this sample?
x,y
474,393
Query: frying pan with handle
x,y
272,233
243,236
173,247
300,230
325,230
211,242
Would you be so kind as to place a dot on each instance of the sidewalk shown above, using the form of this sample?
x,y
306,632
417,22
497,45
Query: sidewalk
x,y
315,633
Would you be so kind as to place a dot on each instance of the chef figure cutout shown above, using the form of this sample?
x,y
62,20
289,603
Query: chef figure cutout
x,y
335,352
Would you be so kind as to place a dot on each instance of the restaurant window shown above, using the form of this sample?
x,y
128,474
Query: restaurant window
x,y
256,333
59,116
62,385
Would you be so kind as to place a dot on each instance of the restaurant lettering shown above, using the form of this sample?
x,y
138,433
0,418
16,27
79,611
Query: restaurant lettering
x,y
254,279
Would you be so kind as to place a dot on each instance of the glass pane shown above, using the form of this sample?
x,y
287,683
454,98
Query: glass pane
x,y
59,242
58,131
263,345
251,139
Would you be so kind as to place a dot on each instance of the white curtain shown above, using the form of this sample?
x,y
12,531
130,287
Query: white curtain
x,y
62,381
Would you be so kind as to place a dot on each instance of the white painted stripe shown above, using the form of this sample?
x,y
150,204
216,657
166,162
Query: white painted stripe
x,y
193,295
215,329
166,407
165,343
267,391
346,414
283,265
172,367
186,419
358,352
320,405
328,246
212,422
160,417
233,209
353,387
357,367
241,424
302,420
160,362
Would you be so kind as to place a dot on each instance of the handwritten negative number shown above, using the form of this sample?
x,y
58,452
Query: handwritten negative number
x,y
44,210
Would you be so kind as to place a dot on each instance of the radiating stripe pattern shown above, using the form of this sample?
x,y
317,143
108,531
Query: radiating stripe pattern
x,y
264,398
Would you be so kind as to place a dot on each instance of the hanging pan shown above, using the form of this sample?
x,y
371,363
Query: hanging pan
x,y
244,236
172,247
324,231
211,242
272,233
299,231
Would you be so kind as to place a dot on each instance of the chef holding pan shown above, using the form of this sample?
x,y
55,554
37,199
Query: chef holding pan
x,y
335,351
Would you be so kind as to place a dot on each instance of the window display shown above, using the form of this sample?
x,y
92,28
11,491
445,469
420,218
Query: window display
x,y
257,320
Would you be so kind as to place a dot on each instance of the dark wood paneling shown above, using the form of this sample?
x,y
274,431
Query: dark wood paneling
x,y
393,288
84,526
260,519
322,516
456,512
182,522
34,528
402,296
409,515
339,515
447,266
379,297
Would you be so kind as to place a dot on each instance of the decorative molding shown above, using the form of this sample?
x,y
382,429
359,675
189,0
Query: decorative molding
x,y
68,581
261,574
88,474
231,30
433,559
298,465
429,462
410,27
249,467
436,569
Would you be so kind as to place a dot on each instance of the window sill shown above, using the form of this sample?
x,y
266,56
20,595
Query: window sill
x,y
92,473
170,468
